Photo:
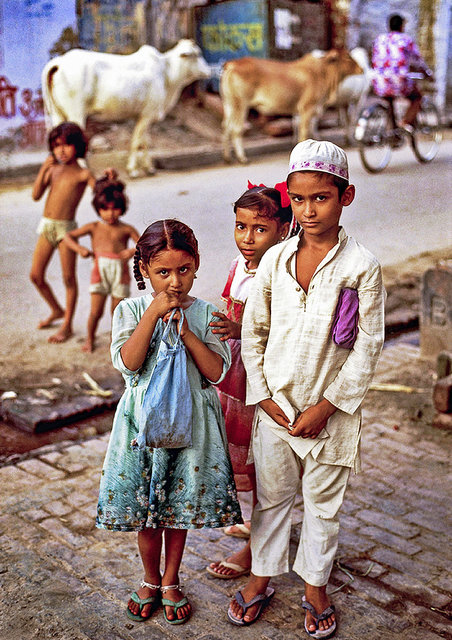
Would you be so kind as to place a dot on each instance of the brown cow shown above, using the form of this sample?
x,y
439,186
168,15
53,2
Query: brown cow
x,y
303,87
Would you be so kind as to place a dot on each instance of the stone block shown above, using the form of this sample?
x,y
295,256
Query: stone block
x,y
436,311
403,564
444,364
12,480
384,521
41,469
351,542
443,421
34,515
390,540
444,582
360,618
80,522
415,589
76,499
376,592
428,618
429,521
57,508
442,394
421,633
24,413
56,528
437,559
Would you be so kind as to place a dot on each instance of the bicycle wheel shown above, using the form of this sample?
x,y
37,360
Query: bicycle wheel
x,y
371,134
427,134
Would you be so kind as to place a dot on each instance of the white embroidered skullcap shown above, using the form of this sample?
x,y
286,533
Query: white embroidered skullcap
x,y
319,155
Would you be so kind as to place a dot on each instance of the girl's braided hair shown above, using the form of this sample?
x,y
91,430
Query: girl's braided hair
x,y
161,235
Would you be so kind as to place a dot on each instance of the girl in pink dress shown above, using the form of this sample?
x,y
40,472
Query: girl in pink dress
x,y
263,217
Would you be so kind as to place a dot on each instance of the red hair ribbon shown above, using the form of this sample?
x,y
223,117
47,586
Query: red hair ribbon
x,y
280,186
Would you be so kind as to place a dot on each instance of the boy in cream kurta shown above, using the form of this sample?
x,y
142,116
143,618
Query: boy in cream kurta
x,y
308,389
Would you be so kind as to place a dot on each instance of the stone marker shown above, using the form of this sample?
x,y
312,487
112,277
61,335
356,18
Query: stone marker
x,y
436,311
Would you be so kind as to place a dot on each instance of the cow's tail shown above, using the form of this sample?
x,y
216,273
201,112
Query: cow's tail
x,y
54,115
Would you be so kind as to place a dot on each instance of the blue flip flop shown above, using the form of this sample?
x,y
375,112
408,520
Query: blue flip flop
x,y
319,633
262,598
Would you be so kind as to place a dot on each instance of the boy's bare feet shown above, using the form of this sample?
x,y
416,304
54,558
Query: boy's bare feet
x,y
317,596
242,558
88,345
61,336
48,322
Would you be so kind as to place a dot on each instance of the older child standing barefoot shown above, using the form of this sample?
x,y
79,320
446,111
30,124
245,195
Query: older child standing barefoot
x,y
109,239
161,493
66,181
260,222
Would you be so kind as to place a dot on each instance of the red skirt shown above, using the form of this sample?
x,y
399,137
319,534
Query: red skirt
x,y
238,419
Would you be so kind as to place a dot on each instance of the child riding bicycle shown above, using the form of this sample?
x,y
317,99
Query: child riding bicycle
x,y
394,56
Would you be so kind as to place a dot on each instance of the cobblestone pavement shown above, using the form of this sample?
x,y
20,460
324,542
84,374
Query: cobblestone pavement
x,y
62,578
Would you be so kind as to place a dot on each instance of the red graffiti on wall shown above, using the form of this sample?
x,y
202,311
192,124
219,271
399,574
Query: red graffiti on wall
x,y
31,108
7,98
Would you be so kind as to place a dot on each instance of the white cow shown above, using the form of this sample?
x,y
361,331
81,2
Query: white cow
x,y
143,86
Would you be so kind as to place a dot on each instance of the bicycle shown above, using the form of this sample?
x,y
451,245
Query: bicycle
x,y
378,133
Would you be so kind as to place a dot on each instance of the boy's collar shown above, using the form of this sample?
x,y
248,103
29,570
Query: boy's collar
x,y
341,235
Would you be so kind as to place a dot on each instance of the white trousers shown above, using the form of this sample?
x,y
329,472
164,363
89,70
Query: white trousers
x,y
278,470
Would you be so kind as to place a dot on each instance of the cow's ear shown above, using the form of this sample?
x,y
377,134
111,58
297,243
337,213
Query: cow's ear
x,y
332,55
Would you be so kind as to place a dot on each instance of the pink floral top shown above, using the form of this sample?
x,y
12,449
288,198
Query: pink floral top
x,y
394,54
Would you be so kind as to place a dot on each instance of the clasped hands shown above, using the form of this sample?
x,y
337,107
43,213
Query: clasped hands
x,y
307,424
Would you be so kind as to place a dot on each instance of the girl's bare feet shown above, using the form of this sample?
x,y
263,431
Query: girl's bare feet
x,y
48,322
61,336
317,596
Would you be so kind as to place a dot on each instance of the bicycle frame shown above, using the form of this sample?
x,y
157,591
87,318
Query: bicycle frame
x,y
378,133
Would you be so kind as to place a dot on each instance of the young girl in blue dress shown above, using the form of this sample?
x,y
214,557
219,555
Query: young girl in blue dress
x,y
161,493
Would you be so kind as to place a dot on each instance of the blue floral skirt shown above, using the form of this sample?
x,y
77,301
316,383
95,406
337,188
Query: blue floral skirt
x,y
190,488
